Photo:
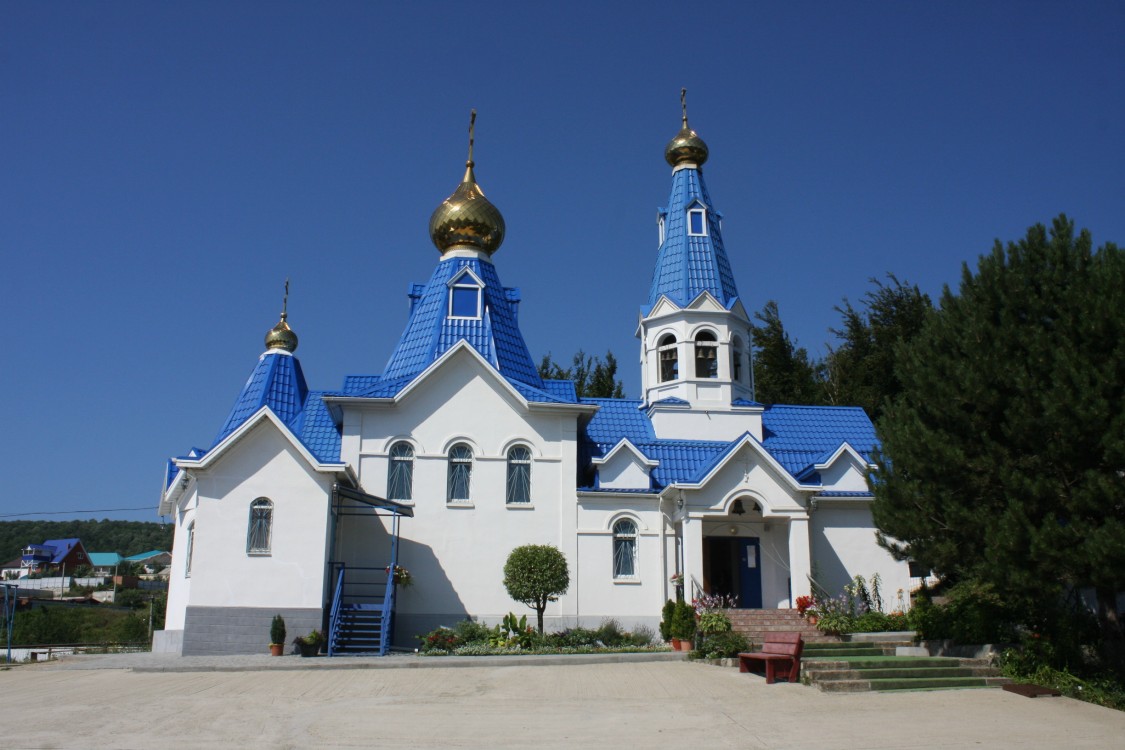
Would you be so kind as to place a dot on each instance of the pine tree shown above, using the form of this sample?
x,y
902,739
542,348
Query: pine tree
x,y
783,373
1003,454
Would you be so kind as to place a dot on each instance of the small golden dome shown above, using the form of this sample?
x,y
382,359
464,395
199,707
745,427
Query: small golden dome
x,y
281,336
687,146
467,217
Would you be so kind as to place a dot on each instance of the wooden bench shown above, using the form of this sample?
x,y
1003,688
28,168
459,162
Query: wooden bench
x,y
781,654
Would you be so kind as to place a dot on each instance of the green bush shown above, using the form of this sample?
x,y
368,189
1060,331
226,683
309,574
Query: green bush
x,y
470,631
666,620
536,574
277,629
713,622
683,621
723,645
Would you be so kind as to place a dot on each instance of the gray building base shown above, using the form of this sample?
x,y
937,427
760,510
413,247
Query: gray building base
x,y
212,631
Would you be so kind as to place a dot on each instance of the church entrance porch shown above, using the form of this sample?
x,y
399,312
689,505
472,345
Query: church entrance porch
x,y
732,567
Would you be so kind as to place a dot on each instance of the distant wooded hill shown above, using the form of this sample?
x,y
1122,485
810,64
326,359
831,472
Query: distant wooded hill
x,y
124,537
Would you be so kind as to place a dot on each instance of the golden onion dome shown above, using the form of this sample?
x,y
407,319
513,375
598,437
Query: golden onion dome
x,y
687,147
467,217
281,336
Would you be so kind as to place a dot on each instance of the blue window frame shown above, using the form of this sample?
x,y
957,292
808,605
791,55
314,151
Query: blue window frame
x,y
400,477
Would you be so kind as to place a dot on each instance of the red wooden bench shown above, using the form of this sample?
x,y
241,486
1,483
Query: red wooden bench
x,y
781,654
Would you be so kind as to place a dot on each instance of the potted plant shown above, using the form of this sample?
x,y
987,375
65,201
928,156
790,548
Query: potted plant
x,y
401,576
277,635
309,645
806,607
683,625
666,624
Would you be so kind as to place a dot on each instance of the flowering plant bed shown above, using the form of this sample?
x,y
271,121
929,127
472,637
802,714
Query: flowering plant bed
x,y
471,638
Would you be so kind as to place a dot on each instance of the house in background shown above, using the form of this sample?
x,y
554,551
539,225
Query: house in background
x,y
153,561
458,451
54,556
105,563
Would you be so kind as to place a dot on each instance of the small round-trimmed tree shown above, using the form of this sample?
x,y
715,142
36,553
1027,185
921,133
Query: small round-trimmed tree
x,y
536,574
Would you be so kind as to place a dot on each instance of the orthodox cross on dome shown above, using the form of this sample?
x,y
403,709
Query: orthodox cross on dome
x,y
683,104
285,301
281,336
472,124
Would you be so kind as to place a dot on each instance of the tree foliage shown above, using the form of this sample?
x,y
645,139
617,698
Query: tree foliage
x,y
536,574
124,537
860,371
592,377
783,372
1003,453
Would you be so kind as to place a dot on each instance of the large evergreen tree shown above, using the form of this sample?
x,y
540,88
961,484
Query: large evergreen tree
x,y
860,371
783,373
1003,454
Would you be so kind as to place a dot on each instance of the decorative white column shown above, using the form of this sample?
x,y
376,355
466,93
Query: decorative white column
x,y
693,553
800,560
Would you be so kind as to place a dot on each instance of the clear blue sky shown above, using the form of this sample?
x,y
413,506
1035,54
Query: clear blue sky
x,y
164,166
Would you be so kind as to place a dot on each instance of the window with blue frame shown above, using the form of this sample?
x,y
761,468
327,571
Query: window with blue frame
x,y
519,475
460,474
624,549
697,222
464,301
400,477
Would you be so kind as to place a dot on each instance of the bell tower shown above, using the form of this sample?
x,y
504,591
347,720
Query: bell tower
x,y
695,334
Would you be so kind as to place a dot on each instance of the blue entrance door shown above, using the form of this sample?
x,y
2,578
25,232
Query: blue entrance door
x,y
750,574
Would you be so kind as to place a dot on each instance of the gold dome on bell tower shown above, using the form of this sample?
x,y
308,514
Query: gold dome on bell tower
x,y
687,147
467,218
281,336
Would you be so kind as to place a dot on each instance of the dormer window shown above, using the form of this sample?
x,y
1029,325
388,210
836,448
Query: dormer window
x,y
660,228
465,295
697,222
706,355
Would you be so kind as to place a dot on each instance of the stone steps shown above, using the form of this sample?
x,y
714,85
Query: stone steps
x,y
834,670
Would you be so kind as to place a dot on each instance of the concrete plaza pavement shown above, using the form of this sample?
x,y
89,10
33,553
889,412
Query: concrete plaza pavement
x,y
146,701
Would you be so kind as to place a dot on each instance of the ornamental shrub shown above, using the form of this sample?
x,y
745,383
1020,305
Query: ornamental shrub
x,y
713,622
683,621
666,620
724,645
536,574
277,629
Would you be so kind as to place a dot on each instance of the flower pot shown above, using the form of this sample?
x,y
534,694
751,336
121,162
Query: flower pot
x,y
675,644
277,649
813,619
309,649
686,645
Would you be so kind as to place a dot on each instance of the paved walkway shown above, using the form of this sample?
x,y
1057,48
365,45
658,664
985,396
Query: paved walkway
x,y
146,701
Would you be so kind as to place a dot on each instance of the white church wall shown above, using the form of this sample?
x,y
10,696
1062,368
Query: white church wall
x,y
456,551
262,464
845,475
844,546
632,600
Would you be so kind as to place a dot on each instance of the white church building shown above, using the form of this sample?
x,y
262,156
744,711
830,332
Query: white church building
x,y
459,452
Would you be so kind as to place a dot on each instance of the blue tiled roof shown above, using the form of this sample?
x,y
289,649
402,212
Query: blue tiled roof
x,y
799,436
686,266
354,385
430,332
796,436
562,390
842,493
317,430
277,382
744,402
617,418
61,547
671,401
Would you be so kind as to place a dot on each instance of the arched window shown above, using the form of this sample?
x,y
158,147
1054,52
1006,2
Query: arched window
x,y
460,472
669,358
260,528
736,360
519,475
400,475
624,549
706,355
190,548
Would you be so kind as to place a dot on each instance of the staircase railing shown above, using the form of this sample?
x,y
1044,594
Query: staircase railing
x,y
334,616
